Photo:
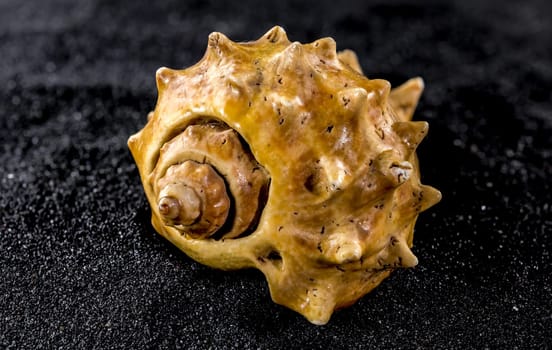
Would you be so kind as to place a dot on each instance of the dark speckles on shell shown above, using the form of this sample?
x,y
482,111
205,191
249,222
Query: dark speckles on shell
x,y
331,171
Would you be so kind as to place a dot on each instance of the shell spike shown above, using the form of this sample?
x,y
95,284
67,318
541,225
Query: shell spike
x,y
318,306
405,255
276,35
353,98
396,171
326,48
404,98
219,44
411,133
292,58
382,89
294,50
349,58
431,196
341,249
163,76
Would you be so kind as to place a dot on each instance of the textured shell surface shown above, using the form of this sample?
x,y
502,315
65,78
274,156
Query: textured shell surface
x,y
284,157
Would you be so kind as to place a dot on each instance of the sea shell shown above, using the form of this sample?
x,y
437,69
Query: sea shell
x,y
283,157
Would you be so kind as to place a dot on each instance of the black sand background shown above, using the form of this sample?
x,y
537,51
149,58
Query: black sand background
x,y
81,267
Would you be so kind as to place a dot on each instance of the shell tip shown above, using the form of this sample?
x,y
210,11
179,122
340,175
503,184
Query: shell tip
x,y
349,58
133,142
418,82
411,133
219,44
326,48
404,98
407,258
276,35
382,89
163,76
432,196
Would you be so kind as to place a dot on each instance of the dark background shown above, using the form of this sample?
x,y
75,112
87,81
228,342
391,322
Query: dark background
x,y
81,267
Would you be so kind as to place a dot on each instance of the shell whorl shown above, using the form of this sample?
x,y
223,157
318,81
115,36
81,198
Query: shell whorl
x,y
205,180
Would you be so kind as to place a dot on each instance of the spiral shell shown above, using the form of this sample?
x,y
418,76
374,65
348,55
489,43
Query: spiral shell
x,y
210,181
284,157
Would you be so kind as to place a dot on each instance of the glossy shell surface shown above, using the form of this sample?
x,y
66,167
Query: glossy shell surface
x,y
284,157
